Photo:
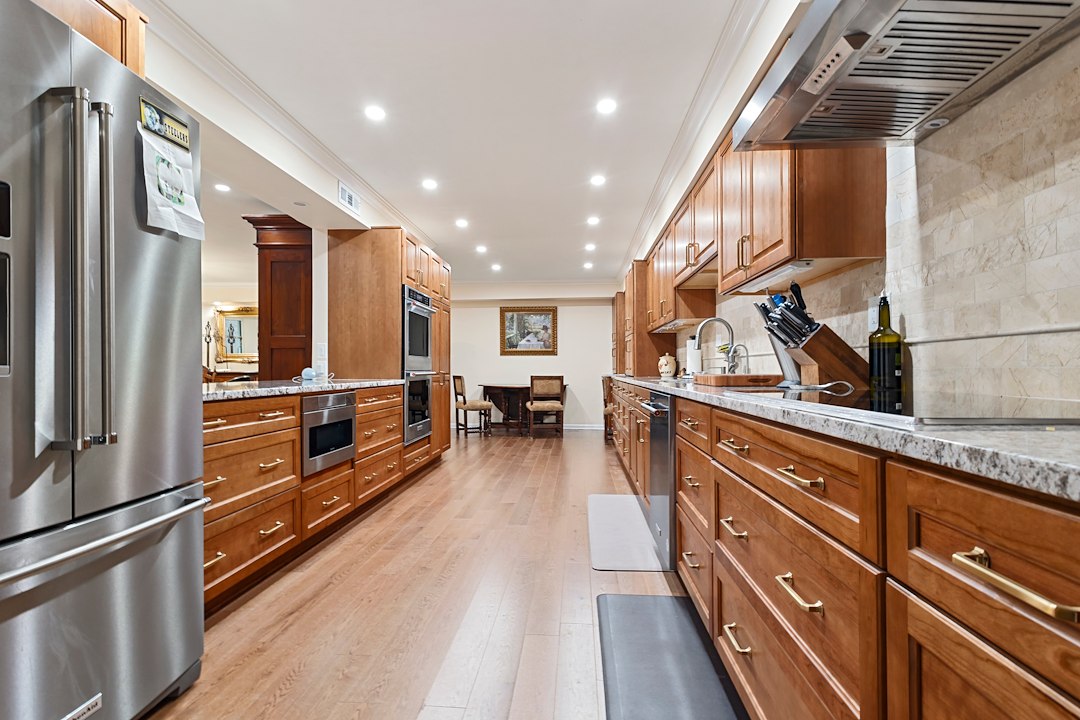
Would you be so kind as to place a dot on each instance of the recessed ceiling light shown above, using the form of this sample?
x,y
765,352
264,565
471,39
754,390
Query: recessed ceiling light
x,y
374,112
606,106
587,266
481,249
496,267
590,247
429,184
598,180
461,223
222,187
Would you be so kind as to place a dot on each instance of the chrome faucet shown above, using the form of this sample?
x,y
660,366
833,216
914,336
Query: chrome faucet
x,y
730,354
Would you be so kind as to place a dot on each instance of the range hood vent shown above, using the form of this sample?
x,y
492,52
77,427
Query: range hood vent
x,y
880,72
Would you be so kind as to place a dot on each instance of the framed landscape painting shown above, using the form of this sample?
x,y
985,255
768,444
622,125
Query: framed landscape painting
x,y
528,331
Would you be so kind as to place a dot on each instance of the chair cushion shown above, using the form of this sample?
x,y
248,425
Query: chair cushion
x,y
475,405
544,406
609,410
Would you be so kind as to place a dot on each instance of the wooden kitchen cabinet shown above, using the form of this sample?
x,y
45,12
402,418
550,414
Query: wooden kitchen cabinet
x,y
937,668
643,349
115,26
440,339
618,334
411,262
777,206
697,247
440,413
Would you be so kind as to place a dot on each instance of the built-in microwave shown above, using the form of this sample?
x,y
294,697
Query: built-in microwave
x,y
417,332
329,431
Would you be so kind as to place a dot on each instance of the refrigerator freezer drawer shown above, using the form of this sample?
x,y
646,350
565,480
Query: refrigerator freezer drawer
x,y
111,605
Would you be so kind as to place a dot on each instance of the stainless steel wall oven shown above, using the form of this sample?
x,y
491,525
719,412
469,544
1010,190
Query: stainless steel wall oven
x,y
417,406
417,332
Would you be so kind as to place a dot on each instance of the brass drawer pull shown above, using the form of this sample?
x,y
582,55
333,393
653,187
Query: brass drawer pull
x,y
214,423
369,433
369,478
218,557
270,465
689,423
216,481
726,524
392,466
729,633
686,556
392,426
730,442
395,396
274,414
977,562
689,480
787,581
277,526
331,501
789,473
372,400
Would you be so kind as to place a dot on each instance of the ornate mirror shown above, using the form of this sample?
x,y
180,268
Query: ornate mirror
x,y
237,334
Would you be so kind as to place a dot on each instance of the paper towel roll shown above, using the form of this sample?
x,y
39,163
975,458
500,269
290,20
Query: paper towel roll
x,y
693,358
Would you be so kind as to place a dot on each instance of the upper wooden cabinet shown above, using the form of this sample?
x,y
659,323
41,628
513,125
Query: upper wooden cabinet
x,y
423,270
641,349
777,206
115,26
695,243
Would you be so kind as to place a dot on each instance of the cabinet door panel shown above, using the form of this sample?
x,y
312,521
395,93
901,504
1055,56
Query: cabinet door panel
x,y
733,218
771,238
705,221
683,239
411,250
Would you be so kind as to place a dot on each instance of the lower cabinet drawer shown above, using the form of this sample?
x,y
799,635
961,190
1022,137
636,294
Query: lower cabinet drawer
x,y
694,491
240,473
238,544
772,684
1006,567
377,431
939,669
378,473
417,454
827,596
326,499
378,398
694,564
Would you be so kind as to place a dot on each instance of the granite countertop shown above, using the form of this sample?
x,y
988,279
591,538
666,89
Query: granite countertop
x,y
273,388
1045,460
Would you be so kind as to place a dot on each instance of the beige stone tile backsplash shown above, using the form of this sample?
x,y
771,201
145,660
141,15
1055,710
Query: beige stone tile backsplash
x,y
983,249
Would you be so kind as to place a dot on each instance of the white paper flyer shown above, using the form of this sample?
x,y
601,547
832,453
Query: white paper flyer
x,y
170,187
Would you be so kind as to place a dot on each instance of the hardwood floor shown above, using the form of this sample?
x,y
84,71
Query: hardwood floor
x,y
468,594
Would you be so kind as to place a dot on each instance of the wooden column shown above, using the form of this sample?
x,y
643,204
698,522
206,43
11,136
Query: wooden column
x,y
284,295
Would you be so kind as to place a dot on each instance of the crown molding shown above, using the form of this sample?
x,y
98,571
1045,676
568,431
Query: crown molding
x,y
743,17
171,29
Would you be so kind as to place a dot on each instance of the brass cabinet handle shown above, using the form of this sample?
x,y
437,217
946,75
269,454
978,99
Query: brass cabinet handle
x,y
789,473
391,466
686,255
216,481
743,265
694,257
277,526
395,396
331,501
729,633
218,557
730,442
787,582
686,556
690,423
689,480
274,414
648,315
267,466
215,423
369,433
977,562
369,478
726,524
662,301
391,426
371,400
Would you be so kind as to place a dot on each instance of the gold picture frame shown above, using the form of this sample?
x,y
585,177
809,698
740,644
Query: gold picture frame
x,y
241,349
529,331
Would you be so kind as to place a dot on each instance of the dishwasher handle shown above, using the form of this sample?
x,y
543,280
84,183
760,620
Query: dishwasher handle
x,y
654,410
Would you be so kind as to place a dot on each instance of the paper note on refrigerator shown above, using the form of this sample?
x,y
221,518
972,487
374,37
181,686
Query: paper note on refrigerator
x,y
170,187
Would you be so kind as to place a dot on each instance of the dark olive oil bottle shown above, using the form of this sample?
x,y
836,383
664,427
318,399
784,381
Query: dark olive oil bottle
x,y
886,364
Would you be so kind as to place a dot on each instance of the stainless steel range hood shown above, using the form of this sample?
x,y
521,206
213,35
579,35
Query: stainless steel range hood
x,y
887,72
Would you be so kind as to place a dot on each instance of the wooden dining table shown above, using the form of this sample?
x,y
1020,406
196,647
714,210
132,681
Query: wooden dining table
x,y
510,399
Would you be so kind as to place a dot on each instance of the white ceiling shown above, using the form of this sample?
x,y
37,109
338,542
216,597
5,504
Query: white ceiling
x,y
229,256
493,98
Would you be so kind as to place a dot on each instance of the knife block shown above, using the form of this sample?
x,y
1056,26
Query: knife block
x,y
823,357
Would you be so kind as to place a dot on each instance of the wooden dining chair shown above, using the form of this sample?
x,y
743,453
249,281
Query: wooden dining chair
x,y
463,406
547,396
609,409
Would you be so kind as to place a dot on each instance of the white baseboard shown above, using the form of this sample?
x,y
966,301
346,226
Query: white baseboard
x,y
582,427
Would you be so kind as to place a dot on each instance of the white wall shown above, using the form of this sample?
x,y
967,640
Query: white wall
x,y
584,353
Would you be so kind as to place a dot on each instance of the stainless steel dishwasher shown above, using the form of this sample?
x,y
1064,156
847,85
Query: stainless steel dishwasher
x,y
660,512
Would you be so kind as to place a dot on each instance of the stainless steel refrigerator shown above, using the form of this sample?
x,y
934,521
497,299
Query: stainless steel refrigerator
x,y
100,404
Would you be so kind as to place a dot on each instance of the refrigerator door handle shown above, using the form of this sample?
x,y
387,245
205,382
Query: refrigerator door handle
x,y
80,106
104,112
41,566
